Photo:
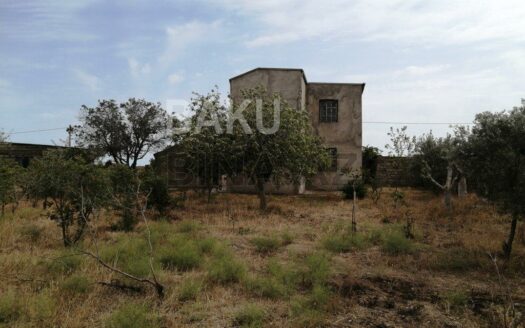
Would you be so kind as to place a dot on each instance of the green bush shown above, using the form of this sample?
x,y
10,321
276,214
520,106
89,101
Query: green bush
x,y
315,270
10,307
183,257
76,284
206,245
360,190
132,315
395,243
159,195
130,253
189,289
188,226
65,262
456,299
266,245
42,307
251,316
343,243
269,287
226,269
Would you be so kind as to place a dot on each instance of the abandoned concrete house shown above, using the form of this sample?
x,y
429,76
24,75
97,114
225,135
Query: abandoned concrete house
x,y
335,110
23,153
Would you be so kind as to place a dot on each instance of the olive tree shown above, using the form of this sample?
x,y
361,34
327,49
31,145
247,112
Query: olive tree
x,y
10,178
126,132
440,162
206,147
74,187
274,142
495,154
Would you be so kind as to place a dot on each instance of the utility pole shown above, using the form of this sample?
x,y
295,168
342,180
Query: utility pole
x,y
69,131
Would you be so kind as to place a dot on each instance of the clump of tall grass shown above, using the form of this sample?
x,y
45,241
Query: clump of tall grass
x,y
344,242
250,315
183,256
188,226
133,315
42,308
226,269
266,245
189,289
10,307
76,284
130,254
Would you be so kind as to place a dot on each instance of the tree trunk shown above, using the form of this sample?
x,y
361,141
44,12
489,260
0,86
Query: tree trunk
x,y
448,199
462,187
262,194
507,245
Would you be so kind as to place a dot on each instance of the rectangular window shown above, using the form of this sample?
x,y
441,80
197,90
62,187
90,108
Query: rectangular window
x,y
328,110
332,152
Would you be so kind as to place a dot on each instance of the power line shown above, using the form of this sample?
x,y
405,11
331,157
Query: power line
x,y
32,131
418,123
364,122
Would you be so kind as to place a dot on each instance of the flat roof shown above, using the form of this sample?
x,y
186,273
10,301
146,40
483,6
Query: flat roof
x,y
29,144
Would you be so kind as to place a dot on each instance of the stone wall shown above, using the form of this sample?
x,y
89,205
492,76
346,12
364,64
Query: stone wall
x,y
394,172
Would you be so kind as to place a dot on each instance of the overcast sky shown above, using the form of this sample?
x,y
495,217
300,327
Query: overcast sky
x,y
422,61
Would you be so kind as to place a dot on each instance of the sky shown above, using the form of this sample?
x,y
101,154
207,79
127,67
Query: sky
x,y
422,61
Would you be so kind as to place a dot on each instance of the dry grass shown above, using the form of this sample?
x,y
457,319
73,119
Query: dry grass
x,y
226,264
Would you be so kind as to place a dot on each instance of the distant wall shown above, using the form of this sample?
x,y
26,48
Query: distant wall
x,y
23,153
394,172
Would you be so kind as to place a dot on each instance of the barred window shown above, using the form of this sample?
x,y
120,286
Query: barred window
x,y
328,110
332,152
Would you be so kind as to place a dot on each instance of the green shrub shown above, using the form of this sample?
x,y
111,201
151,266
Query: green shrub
x,y
343,243
226,269
188,226
41,307
251,316
316,269
206,245
10,307
132,315
130,253
183,257
65,262
189,289
269,287
266,245
159,196
395,243
360,190
76,284
456,299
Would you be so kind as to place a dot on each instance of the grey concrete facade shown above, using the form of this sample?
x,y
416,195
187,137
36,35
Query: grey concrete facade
x,y
344,134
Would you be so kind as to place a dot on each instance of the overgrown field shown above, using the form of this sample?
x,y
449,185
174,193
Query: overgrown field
x,y
224,264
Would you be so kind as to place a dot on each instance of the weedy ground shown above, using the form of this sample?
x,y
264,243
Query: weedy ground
x,y
224,264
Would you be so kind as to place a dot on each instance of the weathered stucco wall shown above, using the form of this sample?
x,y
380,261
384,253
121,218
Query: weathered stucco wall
x,y
290,83
345,134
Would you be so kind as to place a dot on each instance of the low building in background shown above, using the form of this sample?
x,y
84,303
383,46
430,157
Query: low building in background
x,y
23,153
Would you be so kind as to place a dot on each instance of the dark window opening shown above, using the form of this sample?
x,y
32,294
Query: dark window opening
x,y
332,153
328,111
